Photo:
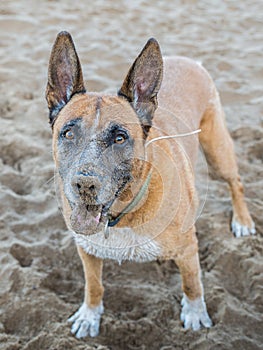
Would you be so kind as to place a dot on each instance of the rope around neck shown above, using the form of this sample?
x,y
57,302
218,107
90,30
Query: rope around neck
x,y
172,136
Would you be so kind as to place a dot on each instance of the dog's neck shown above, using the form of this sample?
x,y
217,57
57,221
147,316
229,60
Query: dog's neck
x,y
135,191
112,221
131,210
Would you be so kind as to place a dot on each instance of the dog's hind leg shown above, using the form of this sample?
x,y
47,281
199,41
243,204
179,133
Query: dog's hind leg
x,y
194,313
86,321
219,149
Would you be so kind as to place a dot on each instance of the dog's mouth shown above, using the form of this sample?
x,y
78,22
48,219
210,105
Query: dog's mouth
x,y
88,219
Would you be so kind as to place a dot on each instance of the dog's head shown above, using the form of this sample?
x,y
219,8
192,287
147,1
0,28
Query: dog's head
x,y
98,140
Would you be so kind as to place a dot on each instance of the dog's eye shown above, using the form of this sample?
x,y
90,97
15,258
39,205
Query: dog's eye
x,y
119,139
69,135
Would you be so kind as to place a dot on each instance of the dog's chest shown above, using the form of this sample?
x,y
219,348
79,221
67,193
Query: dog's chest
x,y
122,244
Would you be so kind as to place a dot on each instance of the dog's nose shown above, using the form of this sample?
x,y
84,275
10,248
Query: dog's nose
x,y
88,187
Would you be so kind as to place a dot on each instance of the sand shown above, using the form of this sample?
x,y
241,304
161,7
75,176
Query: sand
x,y
41,279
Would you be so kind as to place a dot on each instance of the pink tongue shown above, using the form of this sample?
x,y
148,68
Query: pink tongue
x,y
83,221
97,218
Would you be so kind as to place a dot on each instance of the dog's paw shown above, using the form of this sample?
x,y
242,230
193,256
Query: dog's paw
x,y
240,230
86,321
194,314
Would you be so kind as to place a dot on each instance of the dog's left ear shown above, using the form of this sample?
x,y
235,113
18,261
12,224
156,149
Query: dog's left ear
x,y
64,75
143,82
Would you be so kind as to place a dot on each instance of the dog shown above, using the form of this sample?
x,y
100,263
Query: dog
x,y
126,182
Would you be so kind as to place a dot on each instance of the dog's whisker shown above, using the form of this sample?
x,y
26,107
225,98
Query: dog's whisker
x,y
48,181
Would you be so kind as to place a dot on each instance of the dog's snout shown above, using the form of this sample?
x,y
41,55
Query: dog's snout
x,y
87,187
81,186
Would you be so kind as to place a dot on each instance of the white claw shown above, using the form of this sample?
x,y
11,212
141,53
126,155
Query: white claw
x,y
194,314
242,230
86,321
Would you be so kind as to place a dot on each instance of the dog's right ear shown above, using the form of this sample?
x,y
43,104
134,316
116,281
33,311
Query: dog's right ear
x,y
64,75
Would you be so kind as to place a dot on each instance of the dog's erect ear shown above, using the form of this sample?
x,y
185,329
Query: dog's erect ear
x,y
143,82
64,75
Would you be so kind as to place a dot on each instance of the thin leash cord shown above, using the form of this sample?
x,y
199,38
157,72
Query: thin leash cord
x,y
172,136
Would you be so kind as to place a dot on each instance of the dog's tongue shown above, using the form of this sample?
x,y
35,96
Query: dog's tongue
x,y
85,220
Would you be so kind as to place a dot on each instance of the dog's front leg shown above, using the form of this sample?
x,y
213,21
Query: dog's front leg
x,y
86,321
194,313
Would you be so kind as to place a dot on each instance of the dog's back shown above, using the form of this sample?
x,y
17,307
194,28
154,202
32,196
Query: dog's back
x,y
188,100
186,90
185,94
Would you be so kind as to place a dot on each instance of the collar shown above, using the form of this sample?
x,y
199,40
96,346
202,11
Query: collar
x,y
111,222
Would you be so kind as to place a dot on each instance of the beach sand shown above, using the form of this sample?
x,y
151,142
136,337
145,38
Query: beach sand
x,y
41,278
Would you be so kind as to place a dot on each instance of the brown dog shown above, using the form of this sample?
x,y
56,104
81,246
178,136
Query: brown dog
x,y
127,188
